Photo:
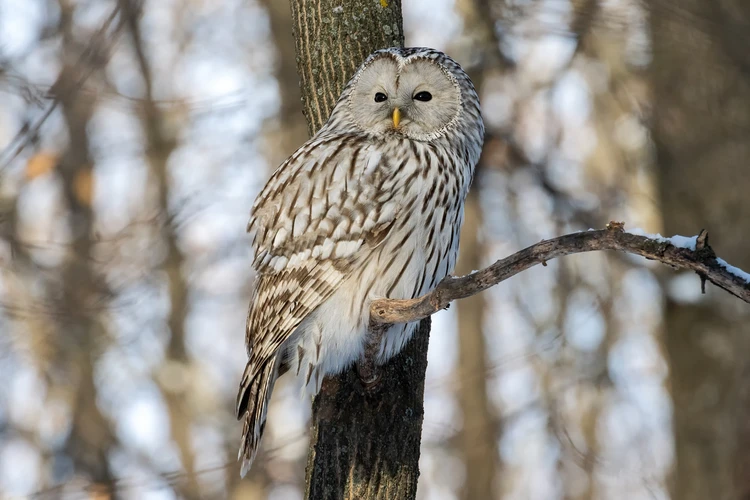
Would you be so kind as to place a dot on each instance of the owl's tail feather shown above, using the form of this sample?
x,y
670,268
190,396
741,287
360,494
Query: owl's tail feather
x,y
252,403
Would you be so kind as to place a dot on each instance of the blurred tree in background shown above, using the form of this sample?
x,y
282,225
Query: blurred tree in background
x,y
134,135
701,125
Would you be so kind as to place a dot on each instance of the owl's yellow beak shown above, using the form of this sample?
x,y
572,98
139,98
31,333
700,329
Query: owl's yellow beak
x,y
396,117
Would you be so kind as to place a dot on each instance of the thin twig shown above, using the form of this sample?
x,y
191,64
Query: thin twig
x,y
96,54
702,260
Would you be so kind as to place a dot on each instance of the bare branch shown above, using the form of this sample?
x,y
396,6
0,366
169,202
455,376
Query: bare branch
x,y
702,260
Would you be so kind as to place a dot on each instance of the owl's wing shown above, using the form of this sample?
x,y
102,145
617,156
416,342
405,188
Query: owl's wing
x,y
318,218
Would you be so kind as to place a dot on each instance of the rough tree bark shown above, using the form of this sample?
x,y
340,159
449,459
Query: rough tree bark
x,y
701,129
364,444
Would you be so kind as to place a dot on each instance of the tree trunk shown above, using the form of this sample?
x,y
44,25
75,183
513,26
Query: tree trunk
x,y
364,443
702,130
91,437
479,54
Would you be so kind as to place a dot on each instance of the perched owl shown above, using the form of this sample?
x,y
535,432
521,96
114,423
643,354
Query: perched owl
x,y
370,207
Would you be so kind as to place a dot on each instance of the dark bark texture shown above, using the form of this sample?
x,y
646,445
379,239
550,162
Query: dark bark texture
x,y
701,88
364,442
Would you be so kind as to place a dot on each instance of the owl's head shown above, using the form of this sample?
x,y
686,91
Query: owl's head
x,y
419,93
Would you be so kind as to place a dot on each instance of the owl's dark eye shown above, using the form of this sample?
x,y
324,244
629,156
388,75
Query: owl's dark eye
x,y
423,96
380,97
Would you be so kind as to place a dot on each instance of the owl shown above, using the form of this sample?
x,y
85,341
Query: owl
x,y
370,207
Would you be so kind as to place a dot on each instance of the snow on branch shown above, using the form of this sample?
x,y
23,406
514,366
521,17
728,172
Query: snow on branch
x,y
679,252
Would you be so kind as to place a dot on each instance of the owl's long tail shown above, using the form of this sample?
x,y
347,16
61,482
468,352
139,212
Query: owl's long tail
x,y
252,403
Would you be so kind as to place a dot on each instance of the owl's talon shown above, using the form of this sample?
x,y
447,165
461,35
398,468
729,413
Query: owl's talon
x,y
368,373
367,367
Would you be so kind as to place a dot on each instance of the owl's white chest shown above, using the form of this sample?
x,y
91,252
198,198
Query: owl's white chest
x,y
418,252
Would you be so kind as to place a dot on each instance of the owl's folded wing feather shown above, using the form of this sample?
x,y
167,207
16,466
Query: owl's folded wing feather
x,y
321,214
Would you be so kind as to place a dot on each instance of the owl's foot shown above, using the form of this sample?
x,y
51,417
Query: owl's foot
x,y
368,373
367,366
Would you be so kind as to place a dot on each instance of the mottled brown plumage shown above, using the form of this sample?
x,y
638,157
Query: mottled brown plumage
x,y
370,207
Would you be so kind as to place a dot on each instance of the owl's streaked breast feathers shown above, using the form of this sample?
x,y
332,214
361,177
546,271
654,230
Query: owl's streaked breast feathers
x,y
370,207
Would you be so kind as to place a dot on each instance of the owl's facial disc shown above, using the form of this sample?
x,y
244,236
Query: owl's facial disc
x,y
417,100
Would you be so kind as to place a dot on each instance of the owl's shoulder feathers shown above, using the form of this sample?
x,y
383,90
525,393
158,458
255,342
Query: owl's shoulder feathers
x,y
322,214
327,200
